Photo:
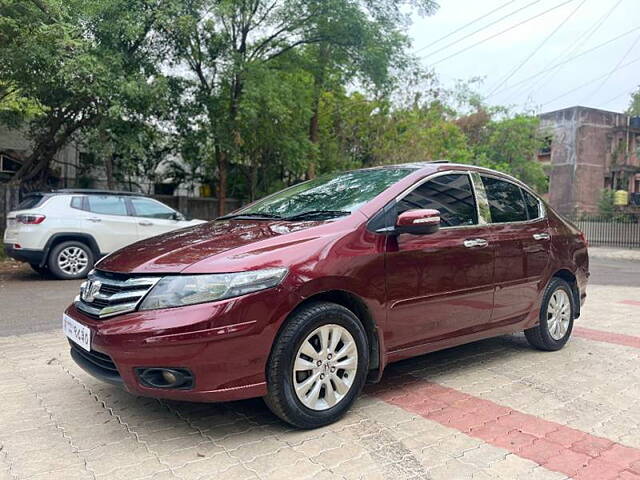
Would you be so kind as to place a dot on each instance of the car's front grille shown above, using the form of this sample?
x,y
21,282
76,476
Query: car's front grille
x,y
96,363
106,294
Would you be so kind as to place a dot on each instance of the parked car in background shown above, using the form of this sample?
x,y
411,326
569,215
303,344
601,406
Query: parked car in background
x,y
66,231
302,296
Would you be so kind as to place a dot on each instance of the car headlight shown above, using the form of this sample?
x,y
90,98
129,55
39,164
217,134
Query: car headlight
x,y
179,290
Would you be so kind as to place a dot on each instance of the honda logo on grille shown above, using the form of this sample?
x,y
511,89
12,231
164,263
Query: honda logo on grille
x,y
89,290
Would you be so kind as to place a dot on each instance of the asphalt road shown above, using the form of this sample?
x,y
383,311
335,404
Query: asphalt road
x,y
30,303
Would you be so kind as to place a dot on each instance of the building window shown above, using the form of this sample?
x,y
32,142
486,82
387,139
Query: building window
x,y
8,164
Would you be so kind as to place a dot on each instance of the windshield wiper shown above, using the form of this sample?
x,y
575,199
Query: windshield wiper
x,y
318,213
249,216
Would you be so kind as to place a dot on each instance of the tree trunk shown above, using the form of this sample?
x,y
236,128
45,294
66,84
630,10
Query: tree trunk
x,y
253,182
318,88
221,159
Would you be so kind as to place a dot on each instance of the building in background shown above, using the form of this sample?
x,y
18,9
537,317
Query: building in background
x,y
589,150
69,168
15,147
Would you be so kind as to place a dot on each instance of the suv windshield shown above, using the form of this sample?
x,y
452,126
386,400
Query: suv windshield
x,y
334,194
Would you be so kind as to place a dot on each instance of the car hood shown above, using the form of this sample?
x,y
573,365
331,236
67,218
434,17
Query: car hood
x,y
178,250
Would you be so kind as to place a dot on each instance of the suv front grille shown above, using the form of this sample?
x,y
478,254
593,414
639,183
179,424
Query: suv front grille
x,y
105,294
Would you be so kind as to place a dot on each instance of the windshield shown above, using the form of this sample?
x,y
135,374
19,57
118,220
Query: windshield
x,y
333,193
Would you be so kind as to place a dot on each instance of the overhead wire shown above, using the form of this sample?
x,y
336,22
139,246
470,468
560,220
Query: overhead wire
x,y
476,20
566,54
517,68
606,79
480,29
491,37
593,80
564,62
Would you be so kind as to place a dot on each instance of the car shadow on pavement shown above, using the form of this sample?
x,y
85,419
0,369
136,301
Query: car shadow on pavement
x,y
224,420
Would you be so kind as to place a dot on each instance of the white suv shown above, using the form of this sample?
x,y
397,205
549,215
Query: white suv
x,y
66,231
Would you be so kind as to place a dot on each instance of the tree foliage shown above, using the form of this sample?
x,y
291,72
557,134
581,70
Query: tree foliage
x,y
247,96
634,103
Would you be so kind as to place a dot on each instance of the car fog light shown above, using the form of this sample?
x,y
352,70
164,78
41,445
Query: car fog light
x,y
169,377
159,377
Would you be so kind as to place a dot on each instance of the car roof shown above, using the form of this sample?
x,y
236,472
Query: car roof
x,y
86,191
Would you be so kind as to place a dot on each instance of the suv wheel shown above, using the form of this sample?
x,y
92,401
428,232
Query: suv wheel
x,y
556,317
70,260
318,365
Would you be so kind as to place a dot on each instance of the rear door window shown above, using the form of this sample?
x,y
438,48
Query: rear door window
x,y
451,194
144,207
533,205
506,202
107,204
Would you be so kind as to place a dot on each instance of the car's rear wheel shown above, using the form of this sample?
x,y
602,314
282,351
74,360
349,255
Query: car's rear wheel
x,y
318,365
70,260
556,317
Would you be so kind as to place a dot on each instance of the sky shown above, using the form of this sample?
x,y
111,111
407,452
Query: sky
x,y
512,64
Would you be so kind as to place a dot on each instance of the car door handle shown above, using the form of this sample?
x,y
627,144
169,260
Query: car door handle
x,y
145,224
94,219
541,236
475,242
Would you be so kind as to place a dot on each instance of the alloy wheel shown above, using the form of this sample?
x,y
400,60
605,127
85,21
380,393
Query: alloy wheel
x,y
325,367
73,260
558,314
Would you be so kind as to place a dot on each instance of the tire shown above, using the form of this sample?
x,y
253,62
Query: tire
x,y
306,326
38,269
553,332
62,257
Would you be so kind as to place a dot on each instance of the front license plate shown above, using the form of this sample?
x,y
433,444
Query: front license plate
x,y
77,332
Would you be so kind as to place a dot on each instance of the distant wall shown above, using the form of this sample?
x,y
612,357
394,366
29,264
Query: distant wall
x,y
204,208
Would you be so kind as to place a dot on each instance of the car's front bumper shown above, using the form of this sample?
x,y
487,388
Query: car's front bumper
x,y
28,255
224,344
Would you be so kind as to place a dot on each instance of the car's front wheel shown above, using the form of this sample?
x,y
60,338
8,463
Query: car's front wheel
x,y
70,260
556,317
317,366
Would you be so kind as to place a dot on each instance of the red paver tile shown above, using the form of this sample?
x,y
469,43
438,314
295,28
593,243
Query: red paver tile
x,y
592,446
608,337
552,445
566,436
627,475
489,431
542,450
621,455
598,469
568,462
514,441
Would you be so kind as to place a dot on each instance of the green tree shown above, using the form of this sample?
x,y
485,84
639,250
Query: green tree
x,y
79,62
222,43
634,103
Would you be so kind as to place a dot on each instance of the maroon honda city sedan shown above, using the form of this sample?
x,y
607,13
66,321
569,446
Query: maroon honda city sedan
x,y
306,294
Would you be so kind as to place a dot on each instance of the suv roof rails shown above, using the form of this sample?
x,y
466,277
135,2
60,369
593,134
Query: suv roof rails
x,y
90,191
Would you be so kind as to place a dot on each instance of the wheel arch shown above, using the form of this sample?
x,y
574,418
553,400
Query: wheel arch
x,y
568,276
58,238
358,307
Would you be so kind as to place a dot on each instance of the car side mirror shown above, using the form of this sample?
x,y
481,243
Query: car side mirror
x,y
178,216
418,222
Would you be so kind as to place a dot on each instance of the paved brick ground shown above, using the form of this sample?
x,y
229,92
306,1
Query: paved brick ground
x,y
495,409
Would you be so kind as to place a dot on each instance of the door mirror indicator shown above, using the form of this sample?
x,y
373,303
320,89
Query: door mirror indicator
x,y
418,222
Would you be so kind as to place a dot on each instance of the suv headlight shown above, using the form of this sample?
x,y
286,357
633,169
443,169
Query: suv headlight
x,y
179,290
